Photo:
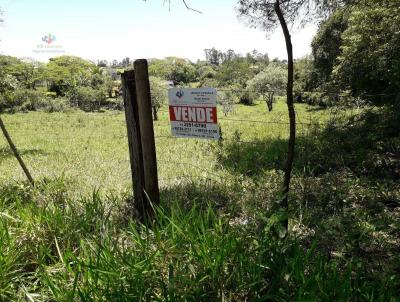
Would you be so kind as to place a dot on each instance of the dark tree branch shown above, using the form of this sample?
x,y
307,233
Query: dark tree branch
x,y
190,8
186,5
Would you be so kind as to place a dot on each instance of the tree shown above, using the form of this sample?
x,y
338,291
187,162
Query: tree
x,y
213,56
102,63
268,14
326,45
256,58
8,84
87,98
68,72
32,73
206,72
357,49
369,61
173,69
217,57
306,76
126,62
269,82
230,69
102,80
114,64
159,96
235,73
22,74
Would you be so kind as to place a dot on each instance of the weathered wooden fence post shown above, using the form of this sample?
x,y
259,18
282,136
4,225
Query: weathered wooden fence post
x,y
134,141
147,133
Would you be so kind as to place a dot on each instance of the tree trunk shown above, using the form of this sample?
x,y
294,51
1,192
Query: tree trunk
x,y
292,115
270,100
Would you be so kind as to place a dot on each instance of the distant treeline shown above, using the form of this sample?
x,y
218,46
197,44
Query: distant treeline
x,y
355,53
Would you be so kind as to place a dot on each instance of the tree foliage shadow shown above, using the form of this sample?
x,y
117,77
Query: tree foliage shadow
x,y
351,186
252,158
347,215
368,145
345,186
203,193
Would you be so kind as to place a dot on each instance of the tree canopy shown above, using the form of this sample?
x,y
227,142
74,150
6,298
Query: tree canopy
x,y
357,49
66,72
174,69
261,13
272,79
326,44
369,60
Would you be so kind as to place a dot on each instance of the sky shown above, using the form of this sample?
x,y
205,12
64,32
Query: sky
x,y
115,29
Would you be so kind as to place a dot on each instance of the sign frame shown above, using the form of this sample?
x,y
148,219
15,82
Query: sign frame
x,y
193,113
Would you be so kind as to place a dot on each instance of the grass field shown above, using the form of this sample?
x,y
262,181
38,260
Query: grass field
x,y
90,149
218,236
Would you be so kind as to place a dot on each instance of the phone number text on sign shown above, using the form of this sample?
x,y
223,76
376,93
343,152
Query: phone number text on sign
x,y
193,113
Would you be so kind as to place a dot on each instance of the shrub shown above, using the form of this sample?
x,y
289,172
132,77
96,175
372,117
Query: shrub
x,y
246,98
56,105
87,98
114,103
227,100
315,98
237,94
344,99
33,100
23,99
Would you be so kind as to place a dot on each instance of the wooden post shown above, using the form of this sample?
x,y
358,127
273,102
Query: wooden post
x,y
16,153
147,132
134,141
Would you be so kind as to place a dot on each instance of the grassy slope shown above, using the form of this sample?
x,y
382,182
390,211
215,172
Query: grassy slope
x,y
216,240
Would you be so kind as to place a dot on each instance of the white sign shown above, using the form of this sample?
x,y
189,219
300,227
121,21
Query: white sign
x,y
193,112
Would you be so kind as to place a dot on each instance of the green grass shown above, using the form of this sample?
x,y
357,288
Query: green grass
x,y
217,237
85,250
91,150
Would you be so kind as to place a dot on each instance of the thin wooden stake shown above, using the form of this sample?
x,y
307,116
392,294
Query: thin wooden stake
x,y
16,153
147,133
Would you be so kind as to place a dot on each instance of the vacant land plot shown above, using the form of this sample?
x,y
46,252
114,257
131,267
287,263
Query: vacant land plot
x,y
90,149
218,236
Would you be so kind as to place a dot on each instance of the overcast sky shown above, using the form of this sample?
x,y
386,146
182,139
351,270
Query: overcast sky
x,y
114,29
